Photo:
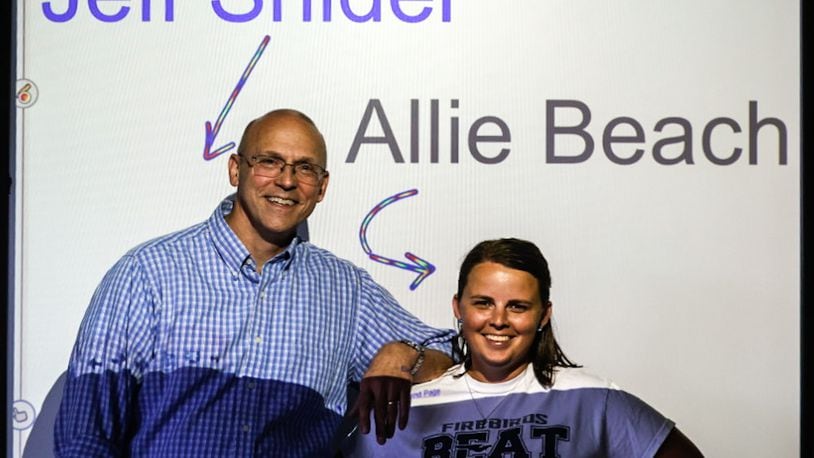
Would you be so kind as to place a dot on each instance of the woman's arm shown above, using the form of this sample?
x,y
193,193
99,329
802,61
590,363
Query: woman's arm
x,y
677,445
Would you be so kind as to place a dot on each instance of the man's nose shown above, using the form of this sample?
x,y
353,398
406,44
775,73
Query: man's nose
x,y
287,178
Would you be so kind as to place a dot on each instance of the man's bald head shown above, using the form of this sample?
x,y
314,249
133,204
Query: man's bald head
x,y
278,119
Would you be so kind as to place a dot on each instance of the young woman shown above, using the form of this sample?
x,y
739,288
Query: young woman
x,y
516,393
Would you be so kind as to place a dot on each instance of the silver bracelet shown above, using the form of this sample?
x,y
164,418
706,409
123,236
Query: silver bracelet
x,y
420,360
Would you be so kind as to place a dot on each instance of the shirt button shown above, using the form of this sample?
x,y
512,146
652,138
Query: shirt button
x,y
245,427
251,385
258,339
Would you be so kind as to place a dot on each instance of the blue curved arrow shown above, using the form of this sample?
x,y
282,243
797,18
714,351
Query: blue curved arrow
x,y
421,266
211,131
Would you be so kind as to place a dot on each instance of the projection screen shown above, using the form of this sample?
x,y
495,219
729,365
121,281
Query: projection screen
x,y
649,148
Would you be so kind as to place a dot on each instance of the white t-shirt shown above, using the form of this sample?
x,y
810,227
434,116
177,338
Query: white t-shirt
x,y
581,415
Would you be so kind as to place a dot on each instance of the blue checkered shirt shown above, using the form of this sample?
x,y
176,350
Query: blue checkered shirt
x,y
187,351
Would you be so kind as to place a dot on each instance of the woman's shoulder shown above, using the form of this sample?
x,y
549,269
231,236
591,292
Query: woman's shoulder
x,y
571,378
449,387
449,377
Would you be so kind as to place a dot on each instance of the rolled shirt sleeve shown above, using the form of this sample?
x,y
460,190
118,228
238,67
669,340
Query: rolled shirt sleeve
x,y
383,320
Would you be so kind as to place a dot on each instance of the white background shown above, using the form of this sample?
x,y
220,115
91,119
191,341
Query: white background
x,y
680,283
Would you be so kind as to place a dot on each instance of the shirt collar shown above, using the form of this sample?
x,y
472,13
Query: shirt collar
x,y
229,246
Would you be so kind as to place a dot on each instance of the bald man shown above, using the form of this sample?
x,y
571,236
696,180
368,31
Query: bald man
x,y
236,338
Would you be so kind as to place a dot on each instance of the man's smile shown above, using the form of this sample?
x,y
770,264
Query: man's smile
x,y
281,201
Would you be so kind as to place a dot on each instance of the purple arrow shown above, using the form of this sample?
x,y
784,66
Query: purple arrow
x,y
418,265
212,131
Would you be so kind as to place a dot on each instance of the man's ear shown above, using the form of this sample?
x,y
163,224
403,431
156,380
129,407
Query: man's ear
x,y
323,187
234,169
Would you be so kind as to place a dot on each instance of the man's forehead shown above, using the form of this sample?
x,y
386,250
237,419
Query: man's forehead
x,y
286,134
291,156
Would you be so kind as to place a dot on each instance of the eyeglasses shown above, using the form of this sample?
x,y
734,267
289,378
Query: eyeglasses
x,y
271,167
